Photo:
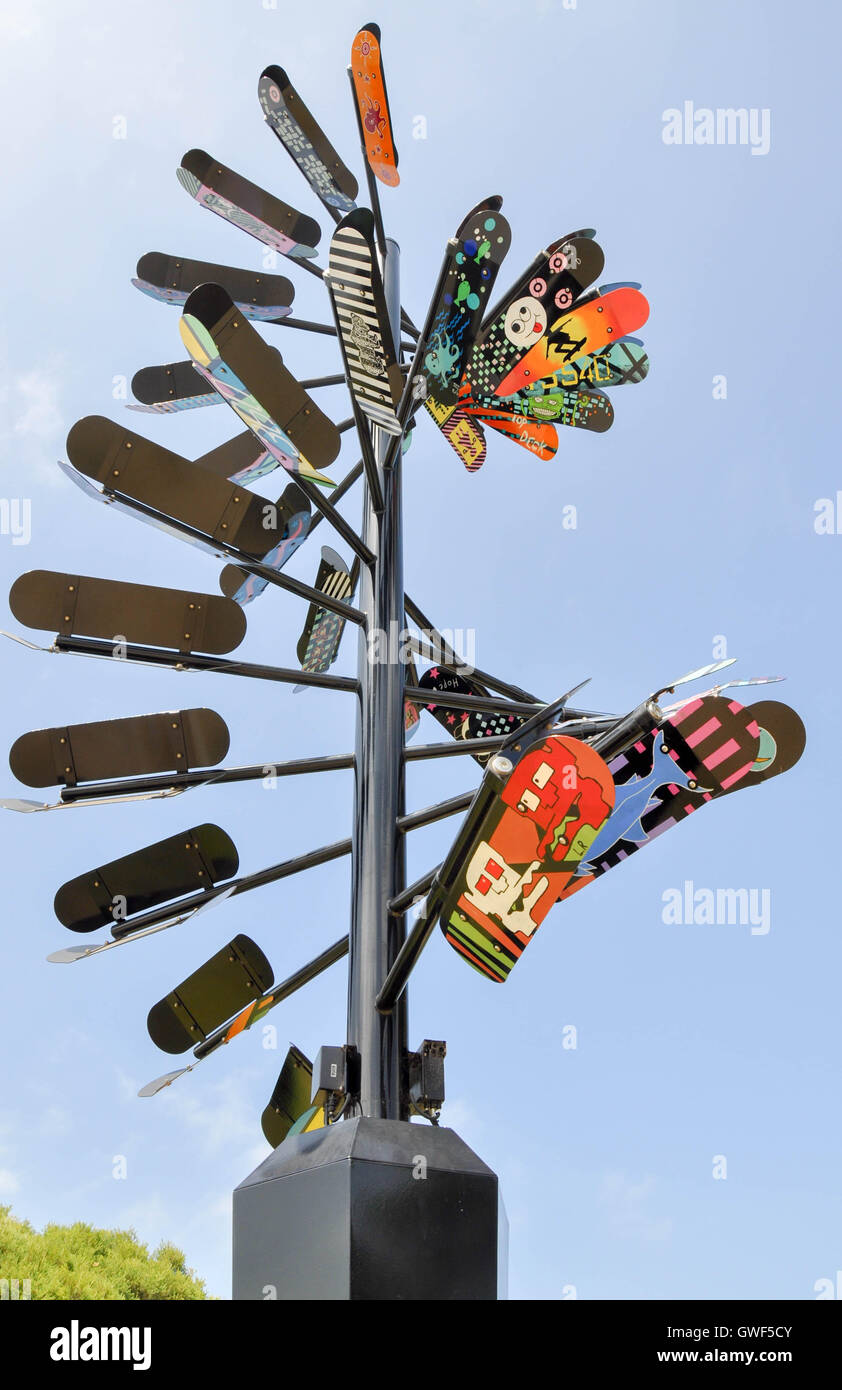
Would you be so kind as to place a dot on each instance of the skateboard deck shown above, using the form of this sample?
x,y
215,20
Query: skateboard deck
x,y
537,436
369,83
251,377
529,844
210,996
170,279
586,329
175,386
75,605
783,739
466,723
242,587
247,206
707,747
188,493
578,409
474,258
185,863
465,435
304,140
569,267
620,363
318,644
239,459
173,742
290,1098
365,334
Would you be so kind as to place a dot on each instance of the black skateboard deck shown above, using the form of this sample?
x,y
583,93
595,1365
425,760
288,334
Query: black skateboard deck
x,y
290,1098
175,386
129,464
78,606
176,741
221,987
465,724
247,206
319,642
257,294
249,373
365,335
304,140
242,587
237,458
189,862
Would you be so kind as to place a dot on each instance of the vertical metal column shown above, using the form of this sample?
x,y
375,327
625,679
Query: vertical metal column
x,y
378,850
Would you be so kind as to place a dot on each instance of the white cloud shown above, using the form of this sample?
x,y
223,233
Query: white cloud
x,y
34,400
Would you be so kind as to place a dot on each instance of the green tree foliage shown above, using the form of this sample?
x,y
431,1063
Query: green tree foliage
x,y
78,1261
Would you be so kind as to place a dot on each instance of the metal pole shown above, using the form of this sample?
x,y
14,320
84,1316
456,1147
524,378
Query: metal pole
x,y
377,874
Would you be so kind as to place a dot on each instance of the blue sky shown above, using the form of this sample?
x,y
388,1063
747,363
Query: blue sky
x,y
695,525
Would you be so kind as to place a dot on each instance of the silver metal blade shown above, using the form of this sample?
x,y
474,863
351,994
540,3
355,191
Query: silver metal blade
x,y
696,675
153,1087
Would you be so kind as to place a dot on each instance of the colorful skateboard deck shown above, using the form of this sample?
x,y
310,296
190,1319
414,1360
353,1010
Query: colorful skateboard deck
x,y
365,334
466,723
783,739
465,435
570,266
170,279
536,436
318,644
304,140
242,587
584,330
210,996
247,206
238,459
173,742
193,860
290,1098
75,605
620,363
708,747
175,386
373,100
537,831
474,258
584,410
188,493
251,377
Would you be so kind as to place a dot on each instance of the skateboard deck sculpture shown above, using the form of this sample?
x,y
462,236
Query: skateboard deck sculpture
x,y
577,409
618,364
242,587
211,995
251,377
465,435
165,390
369,84
466,724
289,1102
258,295
554,802
193,860
583,330
239,459
365,335
247,206
77,606
319,642
537,436
304,140
178,741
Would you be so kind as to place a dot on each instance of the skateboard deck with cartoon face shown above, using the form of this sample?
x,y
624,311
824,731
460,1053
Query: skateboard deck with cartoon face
x,y
528,846
365,335
173,742
588,410
251,377
570,266
304,140
170,279
247,206
373,101
585,329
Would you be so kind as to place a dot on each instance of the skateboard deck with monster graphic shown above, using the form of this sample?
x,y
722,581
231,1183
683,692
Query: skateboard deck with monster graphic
x,y
474,258
466,723
318,644
553,804
232,978
193,860
588,410
247,206
177,741
242,587
537,436
137,468
369,83
586,329
569,267
707,747
175,386
251,377
75,605
304,140
170,279
365,334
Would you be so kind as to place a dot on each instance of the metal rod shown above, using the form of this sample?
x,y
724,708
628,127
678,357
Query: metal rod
x,y
220,775
421,751
405,899
314,381
336,519
447,699
305,324
346,425
440,811
192,661
347,482
378,855
448,657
